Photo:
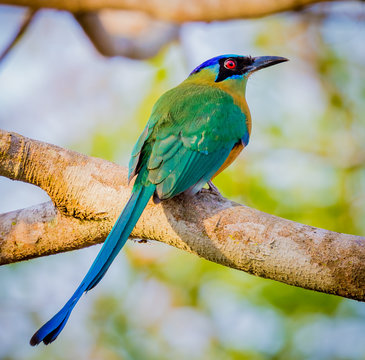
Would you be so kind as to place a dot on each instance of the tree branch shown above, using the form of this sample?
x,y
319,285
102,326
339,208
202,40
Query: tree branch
x,y
177,10
156,34
89,193
28,18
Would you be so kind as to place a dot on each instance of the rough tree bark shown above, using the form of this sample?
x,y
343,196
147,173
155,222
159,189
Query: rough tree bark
x,y
88,194
177,10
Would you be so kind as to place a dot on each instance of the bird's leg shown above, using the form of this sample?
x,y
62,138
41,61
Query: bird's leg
x,y
213,189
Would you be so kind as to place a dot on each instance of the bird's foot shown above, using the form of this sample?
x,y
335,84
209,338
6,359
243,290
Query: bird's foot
x,y
212,189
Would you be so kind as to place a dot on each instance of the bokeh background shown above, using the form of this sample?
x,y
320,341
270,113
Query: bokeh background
x,y
305,162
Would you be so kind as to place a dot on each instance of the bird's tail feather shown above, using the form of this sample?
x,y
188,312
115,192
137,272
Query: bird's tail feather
x,y
112,245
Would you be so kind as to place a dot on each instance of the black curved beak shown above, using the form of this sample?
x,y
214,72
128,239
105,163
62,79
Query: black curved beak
x,y
261,62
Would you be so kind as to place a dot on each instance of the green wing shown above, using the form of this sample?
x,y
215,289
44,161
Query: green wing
x,y
190,134
179,168
135,163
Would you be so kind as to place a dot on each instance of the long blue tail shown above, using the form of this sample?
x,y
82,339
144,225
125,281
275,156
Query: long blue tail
x,y
112,245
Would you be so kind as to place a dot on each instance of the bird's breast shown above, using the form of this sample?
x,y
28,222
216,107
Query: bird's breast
x,y
231,157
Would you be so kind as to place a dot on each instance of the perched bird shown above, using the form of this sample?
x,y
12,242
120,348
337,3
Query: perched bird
x,y
194,132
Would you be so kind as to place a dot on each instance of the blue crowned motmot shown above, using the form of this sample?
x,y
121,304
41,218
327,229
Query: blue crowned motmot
x,y
194,132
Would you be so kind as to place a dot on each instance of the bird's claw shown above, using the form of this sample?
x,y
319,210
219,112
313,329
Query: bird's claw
x,y
212,189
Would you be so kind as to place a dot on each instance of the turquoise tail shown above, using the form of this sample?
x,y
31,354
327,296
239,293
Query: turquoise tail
x,y
112,245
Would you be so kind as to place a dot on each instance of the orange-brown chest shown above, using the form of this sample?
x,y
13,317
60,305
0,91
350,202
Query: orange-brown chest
x,y
240,101
231,157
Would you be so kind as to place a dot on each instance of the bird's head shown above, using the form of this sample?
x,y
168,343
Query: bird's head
x,y
233,67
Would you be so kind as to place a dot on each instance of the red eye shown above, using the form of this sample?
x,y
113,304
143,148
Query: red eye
x,y
230,64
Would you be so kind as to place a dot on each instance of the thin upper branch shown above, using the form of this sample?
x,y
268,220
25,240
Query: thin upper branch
x,y
89,193
177,10
146,45
28,18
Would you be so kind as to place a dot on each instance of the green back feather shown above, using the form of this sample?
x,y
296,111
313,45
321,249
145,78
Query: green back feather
x,y
190,133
